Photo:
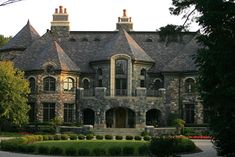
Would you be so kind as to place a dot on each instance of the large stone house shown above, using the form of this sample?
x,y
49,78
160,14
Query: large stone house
x,y
109,79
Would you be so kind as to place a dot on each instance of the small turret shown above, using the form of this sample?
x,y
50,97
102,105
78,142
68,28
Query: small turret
x,y
60,23
124,22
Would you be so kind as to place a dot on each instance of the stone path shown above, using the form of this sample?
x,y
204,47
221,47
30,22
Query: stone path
x,y
207,149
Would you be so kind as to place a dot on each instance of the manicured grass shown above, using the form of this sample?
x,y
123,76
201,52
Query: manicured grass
x,y
91,144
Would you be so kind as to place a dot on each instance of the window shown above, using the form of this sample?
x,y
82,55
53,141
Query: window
x,y
189,113
49,84
121,77
68,84
69,113
86,84
100,78
31,112
32,84
48,111
189,85
121,67
142,78
49,69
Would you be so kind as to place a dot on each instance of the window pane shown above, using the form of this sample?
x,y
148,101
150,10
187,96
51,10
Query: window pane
x,y
121,67
69,112
32,84
48,111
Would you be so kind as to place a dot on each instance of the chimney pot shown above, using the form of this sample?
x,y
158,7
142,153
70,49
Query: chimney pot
x,y
65,10
61,9
124,12
56,10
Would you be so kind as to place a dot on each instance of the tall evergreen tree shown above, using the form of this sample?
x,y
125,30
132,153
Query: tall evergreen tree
x,y
14,90
216,63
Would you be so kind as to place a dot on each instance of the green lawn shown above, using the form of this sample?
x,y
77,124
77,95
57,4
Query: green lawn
x,y
91,144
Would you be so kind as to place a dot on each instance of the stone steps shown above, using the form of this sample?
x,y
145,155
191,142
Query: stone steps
x,y
118,131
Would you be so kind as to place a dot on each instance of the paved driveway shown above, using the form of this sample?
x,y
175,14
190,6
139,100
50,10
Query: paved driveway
x,y
205,145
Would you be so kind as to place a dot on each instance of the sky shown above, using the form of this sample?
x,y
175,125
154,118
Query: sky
x,y
87,15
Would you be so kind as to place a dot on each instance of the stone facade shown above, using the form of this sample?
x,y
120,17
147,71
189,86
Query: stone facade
x,y
119,79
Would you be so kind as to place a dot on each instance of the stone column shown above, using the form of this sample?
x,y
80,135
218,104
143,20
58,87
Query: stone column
x,y
140,119
100,92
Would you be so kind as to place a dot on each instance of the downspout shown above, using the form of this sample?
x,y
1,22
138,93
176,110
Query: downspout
x,y
179,98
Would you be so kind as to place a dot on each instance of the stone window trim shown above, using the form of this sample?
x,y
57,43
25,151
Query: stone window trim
x,y
88,81
189,84
49,90
69,112
69,81
157,79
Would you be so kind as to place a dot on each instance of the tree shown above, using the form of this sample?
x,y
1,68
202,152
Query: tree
x,y
3,3
216,80
4,40
13,95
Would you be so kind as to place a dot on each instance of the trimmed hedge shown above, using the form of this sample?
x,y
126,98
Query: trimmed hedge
x,y
128,151
99,152
83,152
118,137
99,137
89,136
81,137
138,138
56,150
73,137
43,150
129,137
64,137
70,151
115,151
143,150
147,138
108,137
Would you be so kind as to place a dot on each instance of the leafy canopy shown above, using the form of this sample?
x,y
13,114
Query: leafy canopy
x,y
4,40
216,65
13,95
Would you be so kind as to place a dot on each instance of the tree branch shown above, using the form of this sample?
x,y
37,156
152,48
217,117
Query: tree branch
x,y
9,2
187,18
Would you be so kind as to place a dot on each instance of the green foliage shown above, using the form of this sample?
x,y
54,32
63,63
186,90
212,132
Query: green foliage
x,y
50,137
115,151
57,137
118,137
184,145
81,137
45,138
4,40
73,137
43,150
70,151
143,150
56,151
147,138
64,137
83,152
129,137
99,137
99,152
89,136
108,137
145,133
138,138
128,151
13,95
216,64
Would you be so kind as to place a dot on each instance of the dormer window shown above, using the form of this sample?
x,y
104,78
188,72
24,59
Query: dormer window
x,y
49,69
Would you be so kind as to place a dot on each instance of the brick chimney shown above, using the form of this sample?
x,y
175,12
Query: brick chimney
x,y
60,23
124,22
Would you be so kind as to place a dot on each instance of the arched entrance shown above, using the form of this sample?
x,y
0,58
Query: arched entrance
x,y
153,117
120,117
88,117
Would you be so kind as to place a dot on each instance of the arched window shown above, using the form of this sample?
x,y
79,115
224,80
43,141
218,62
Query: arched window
x,y
100,77
189,85
142,78
121,70
68,84
49,84
86,84
32,84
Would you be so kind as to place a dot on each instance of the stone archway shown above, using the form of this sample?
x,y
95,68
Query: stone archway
x,y
88,117
153,117
120,117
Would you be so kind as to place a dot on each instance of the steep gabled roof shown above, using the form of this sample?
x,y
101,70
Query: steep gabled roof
x,y
122,43
24,38
43,51
184,61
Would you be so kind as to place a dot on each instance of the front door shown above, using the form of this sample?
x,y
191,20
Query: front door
x,y
120,118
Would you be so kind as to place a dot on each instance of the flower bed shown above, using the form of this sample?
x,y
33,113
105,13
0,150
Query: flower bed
x,y
201,137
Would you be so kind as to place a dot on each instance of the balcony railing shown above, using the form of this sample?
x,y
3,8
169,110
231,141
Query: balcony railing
x,y
121,92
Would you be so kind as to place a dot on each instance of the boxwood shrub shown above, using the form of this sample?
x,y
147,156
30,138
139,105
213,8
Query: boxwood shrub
x,y
43,150
57,137
115,151
45,138
64,137
56,150
99,152
81,137
108,137
147,138
89,136
83,152
138,138
129,137
118,137
73,137
70,151
99,137
128,151
50,137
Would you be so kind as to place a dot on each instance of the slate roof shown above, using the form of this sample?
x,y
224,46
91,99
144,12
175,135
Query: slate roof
x,y
122,43
84,47
23,39
43,51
